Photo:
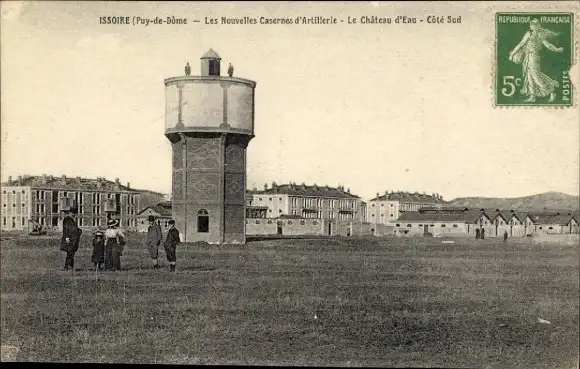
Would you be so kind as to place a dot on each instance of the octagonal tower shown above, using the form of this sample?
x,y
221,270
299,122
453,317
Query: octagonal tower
x,y
209,120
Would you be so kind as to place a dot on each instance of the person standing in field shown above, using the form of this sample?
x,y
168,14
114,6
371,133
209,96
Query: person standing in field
x,y
477,233
114,242
505,236
154,237
171,242
98,257
483,233
70,241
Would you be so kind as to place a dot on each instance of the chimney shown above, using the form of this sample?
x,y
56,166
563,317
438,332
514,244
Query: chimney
x,y
265,187
19,178
128,184
44,179
117,180
378,195
348,190
9,179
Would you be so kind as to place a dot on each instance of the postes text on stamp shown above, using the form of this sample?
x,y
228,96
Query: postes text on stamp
x,y
533,57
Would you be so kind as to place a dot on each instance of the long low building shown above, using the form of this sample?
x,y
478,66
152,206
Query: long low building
x,y
496,223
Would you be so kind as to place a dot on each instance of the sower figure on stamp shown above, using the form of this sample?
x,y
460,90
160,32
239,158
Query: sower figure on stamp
x,y
171,242
527,52
114,242
70,241
154,237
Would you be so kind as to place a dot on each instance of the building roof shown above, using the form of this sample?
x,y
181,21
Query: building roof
x,y
210,54
410,197
163,208
551,218
307,191
63,182
468,216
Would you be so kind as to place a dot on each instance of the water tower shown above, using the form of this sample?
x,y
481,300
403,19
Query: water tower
x,y
209,121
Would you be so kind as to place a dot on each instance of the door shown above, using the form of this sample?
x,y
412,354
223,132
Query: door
x,y
425,230
279,229
330,228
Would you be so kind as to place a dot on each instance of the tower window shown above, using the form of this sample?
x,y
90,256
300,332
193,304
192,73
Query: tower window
x,y
202,221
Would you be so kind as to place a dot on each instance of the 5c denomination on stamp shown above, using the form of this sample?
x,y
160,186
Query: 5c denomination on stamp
x,y
533,57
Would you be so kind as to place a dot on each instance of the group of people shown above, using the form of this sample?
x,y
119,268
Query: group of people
x,y
108,245
480,234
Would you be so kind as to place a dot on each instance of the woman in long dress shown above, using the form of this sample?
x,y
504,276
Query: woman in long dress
x,y
114,242
527,52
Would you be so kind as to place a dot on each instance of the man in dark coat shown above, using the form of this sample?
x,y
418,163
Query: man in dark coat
x,y
171,242
71,236
483,233
505,236
154,237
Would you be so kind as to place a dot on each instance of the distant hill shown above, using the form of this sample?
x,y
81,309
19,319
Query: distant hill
x,y
540,202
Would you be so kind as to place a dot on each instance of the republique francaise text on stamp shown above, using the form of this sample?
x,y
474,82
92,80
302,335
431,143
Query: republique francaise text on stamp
x,y
533,57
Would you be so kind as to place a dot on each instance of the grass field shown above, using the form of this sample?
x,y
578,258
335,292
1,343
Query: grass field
x,y
340,302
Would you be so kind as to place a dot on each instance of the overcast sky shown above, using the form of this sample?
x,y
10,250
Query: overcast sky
x,y
371,107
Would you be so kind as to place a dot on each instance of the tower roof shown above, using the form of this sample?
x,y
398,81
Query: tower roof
x,y
210,54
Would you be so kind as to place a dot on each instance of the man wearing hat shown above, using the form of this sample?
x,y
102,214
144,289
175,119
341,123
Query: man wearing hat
x,y
171,242
71,235
154,237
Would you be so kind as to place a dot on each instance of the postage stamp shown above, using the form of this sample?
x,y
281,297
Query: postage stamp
x,y
533,57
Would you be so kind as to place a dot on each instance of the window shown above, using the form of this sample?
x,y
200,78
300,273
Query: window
x,y
214,68
409,226
202,221
455,226
22,221
398,225
302,222
3,218
443,225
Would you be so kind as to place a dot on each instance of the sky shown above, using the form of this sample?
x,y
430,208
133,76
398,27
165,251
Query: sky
x,y
371,107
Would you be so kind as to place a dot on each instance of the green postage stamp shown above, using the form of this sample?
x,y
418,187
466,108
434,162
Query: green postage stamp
x,y
533,57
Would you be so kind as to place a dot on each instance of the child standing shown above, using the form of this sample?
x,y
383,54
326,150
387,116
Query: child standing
x,y
98,257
